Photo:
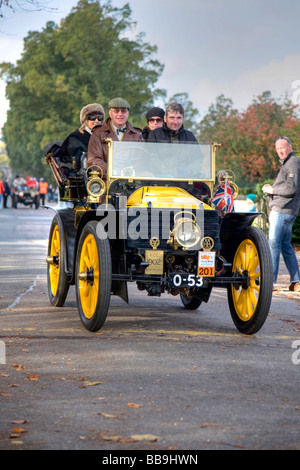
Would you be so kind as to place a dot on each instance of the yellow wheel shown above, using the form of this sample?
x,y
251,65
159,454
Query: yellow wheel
x,y
93,276
57,278
249,304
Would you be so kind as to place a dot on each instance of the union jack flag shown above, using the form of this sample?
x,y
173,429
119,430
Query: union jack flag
x,y
223,198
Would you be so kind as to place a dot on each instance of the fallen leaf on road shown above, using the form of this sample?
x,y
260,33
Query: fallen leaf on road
x,y
144,437
86,383
33,378
106,415
18,430
134,405
116,439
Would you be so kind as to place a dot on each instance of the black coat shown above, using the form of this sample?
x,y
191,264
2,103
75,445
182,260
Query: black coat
x,y
164,134
74,146
7,191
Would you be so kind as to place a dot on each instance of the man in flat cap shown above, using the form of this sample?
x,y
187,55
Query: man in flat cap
x,y
116,127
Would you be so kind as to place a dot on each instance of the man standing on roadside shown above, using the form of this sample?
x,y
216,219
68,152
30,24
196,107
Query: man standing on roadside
x,y
284,205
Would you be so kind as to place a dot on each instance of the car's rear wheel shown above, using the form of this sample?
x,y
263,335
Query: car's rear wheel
x,y
57,278
249,305
93,276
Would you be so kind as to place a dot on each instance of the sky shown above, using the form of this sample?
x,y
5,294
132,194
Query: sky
x,y
239,48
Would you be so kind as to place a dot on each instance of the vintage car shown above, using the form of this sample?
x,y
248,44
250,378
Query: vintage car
x,y
151,221
25,191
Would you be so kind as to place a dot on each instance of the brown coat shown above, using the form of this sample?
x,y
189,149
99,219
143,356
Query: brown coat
x,y
98,150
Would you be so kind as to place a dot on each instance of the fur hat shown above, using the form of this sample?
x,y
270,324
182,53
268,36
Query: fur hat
x,y
93,108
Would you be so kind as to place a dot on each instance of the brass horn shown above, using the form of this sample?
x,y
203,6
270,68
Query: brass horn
x,y
224,176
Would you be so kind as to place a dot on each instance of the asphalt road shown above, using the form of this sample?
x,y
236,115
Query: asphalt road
x,y
156,377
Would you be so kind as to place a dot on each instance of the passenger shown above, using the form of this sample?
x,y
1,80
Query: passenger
x,y
116,127
172,129
19,182
77,142
155,119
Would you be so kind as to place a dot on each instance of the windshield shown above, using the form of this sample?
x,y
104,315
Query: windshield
x,y
161,161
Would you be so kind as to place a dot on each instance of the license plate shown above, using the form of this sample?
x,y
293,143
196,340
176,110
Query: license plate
x,y
187,280
155,258
206,263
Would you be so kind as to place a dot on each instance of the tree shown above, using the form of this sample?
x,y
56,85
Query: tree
x,y
218,126
15,5
258,127
87,58
248,137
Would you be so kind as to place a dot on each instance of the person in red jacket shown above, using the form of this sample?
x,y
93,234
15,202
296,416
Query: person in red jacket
x,y
1,192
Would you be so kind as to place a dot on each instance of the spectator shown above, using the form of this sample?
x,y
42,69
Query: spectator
x,y
284,204
43,189
155,119
1,192
251,202
6,193
50,193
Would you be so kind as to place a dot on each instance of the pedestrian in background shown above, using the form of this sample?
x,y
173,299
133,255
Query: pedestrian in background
x,y
1,192
43,189
250,198
7,192
284,205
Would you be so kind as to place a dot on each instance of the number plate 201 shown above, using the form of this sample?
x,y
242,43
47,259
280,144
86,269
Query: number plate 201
x,y
206,263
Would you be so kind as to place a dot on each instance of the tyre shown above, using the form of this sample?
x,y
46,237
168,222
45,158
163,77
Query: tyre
x,y
249,305
93,276
190,302
57,278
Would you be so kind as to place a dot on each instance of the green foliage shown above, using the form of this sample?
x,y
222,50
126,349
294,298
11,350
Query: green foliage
x,y
248,137
296,231
86,59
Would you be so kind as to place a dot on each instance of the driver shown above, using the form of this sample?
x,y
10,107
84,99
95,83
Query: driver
x,y
173,129
116,127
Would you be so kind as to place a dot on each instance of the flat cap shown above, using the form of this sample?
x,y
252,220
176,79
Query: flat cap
x,y
118,103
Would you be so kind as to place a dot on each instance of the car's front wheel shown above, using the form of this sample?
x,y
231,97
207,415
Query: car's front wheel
x,y
93,276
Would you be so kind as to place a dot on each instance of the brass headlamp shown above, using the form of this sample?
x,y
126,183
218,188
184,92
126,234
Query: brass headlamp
x,y
186,233
96,187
